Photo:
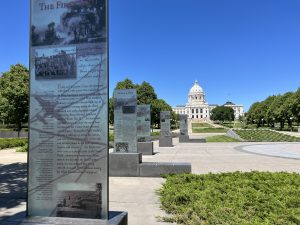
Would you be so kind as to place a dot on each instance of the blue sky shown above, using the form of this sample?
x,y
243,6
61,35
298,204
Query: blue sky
x,y
241,51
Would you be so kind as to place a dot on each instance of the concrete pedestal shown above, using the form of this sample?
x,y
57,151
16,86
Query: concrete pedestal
x,y
184,138
115,218
131,165
156,169
146,148
124,164
165,141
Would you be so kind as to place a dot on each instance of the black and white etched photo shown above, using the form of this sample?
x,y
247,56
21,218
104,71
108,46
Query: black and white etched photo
x,y
55,63
68,22
80,204
122,147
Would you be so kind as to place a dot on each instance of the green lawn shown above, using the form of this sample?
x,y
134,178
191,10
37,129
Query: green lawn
x,y
254,198
201,125
12,142
209,130
221,138
265,135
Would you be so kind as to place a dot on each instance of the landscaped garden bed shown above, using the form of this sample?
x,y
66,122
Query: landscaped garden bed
x,y
252,198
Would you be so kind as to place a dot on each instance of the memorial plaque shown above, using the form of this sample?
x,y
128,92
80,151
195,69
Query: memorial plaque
x,y
143,123
68,147
165,125
125,120
183,124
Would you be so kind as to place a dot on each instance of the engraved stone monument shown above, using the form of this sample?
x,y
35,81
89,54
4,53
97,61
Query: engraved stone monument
x,y
183,125
144,145
125,159
68,142
165,137
125,121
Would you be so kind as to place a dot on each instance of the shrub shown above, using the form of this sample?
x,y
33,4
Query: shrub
x,y
12,142
253,198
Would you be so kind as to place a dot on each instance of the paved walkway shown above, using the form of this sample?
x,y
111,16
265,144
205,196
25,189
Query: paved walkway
x,y
137,195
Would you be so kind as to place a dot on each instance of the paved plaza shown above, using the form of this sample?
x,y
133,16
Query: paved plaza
x,y
137,195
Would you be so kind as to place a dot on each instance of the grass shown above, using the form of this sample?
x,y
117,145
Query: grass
x,y
209,130
12,142
254,198
221,138
258,135
194,125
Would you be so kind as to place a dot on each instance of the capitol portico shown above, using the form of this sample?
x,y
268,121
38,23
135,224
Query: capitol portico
x,y
198,108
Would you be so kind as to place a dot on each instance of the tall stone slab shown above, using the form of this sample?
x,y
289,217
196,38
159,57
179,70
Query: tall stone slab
x,y
165,137
68,145
125,121
143,123
183,125
144,145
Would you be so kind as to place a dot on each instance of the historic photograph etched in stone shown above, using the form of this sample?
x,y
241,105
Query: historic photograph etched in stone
x,y
183,124
68,22
55,63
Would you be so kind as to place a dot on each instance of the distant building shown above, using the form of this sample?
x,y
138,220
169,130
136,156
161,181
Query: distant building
x,y
198,109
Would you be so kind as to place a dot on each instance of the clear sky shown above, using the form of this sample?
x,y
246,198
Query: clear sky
x,y
242,51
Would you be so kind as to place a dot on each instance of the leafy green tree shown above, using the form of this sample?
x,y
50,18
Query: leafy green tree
x,y
222,113
295,106
14,94
146,93
126,84
157,106
111,111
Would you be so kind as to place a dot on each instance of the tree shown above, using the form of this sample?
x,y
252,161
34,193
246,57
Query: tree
x,y
146,93
295,105
111,111
126,84
222,113
157,106
14,94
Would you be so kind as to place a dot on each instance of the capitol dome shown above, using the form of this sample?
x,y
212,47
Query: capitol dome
x,y
196,95
196,88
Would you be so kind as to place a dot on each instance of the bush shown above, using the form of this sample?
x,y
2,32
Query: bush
x,y
253,198
12,142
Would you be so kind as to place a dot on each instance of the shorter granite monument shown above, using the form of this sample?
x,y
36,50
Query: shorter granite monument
x,y
144,144
165,137
183,125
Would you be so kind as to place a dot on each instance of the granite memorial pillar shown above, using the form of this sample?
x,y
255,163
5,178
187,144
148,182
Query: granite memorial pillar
x,y
165,137
144,144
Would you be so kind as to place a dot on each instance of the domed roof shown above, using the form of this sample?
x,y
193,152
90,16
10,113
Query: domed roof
x,y
196,88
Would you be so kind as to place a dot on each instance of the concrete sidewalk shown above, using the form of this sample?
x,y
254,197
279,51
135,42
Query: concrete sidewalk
x,y
137,195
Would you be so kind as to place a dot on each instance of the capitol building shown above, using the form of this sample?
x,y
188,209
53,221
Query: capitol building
x,y
197,108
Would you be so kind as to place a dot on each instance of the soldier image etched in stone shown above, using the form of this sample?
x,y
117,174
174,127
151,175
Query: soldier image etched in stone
x,y
125,120
165,138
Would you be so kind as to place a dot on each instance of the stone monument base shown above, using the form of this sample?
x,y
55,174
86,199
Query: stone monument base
x,y
115,218
131,165
165,141
146,148
184,138
124,164
156,169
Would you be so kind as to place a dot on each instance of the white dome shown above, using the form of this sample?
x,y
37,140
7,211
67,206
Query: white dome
x,y
196,88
